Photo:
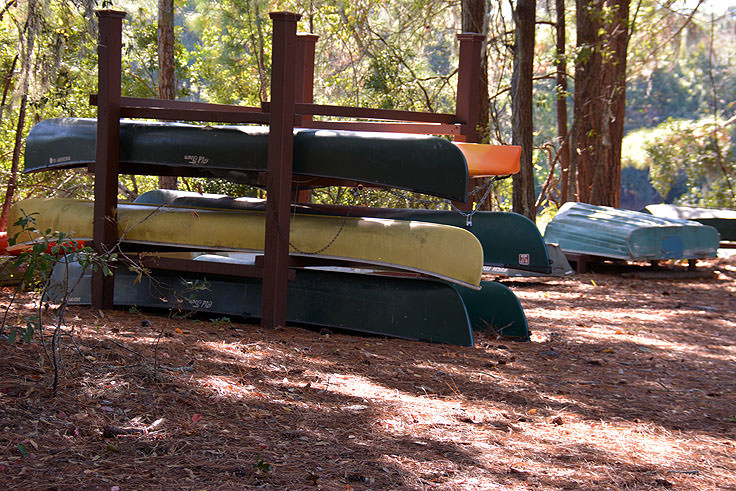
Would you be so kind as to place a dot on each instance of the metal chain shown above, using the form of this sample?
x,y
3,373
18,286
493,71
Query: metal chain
x,y
414,199
486,188
469,214
318,251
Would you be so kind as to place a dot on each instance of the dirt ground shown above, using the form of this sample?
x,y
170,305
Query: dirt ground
x,y
628,384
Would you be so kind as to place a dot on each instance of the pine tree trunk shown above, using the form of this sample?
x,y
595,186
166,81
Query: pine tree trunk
x,y
166,79
561,79
522,106
13,180
600,99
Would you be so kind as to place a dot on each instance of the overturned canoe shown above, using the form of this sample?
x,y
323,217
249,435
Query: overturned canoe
x,y
416,308
448,253
419,163
581,228
723,220
509,240
495,308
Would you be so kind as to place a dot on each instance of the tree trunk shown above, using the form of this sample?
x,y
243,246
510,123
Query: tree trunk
x,y
25,56
12,181
6,88
600,98
561,79
618,36
522,110
166,79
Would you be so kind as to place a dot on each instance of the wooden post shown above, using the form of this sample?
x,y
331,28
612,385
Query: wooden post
x,y
107,159
468,92
468,86
305,89
280,160
305,71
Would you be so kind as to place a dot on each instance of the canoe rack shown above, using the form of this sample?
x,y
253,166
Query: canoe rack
x,y
291,105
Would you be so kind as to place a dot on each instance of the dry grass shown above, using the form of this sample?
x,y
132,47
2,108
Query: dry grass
x,y
627,384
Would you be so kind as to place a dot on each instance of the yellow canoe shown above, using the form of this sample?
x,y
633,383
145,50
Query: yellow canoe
x,y
490,160
441,251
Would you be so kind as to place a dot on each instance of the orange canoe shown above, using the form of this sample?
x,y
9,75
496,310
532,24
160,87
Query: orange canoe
x,y
490,160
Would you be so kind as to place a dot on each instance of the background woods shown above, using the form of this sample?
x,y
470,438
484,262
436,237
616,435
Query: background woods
x,y
616,102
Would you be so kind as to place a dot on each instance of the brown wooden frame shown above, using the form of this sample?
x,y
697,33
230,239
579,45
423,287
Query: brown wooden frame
x,y
292,94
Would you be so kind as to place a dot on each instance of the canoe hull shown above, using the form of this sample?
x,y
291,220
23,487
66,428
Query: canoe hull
x,y
722,220
417,247
419,163
496,309
607,232
407,308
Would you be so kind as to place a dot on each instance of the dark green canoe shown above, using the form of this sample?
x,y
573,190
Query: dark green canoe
x,y
495,308
509,240
419,163
409,308
721,219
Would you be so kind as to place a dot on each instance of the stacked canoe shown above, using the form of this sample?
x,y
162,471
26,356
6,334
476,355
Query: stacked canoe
x,y
405,273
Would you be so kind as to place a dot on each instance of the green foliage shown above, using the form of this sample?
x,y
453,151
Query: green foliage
x,y
222,322
41,256
379,198
400,54
261,466
47,54
220,186
546,214
23,450
705,153
140,57
231,53
39,259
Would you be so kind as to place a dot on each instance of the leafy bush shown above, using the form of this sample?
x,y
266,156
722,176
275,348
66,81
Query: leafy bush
x,y
702,151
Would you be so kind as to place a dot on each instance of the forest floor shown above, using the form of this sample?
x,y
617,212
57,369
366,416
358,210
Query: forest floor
x,y
629,383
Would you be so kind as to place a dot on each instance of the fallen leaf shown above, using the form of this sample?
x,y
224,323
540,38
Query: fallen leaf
x,y
23,450
196,417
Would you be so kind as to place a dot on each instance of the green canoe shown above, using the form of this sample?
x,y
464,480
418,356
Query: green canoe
x,y
509,240
419,163
721,219
581,228
409,308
